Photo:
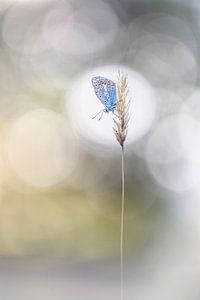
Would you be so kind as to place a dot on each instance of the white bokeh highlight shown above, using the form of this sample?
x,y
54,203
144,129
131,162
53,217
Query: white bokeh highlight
x,y
78,31
160,58
189,126
190,137
166,157
82,105
40,148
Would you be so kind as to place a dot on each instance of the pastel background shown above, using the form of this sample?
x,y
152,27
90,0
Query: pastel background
x,y
60,170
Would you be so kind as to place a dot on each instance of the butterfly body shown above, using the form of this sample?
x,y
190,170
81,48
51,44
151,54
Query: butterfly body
x,y
105,90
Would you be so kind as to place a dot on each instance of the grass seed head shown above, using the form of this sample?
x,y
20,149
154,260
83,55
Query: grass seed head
x,y
122,108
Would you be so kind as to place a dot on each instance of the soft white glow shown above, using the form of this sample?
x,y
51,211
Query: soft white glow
x,y
164,146
89,29
40,148
190,137
160,58
167,103
82,105
166,158
189,126
191,106
179,176
21,29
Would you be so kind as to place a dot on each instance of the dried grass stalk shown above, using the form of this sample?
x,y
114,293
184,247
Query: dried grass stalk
x,y
120,130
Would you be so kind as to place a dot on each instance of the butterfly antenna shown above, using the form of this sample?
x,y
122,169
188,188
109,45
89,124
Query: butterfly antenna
x,y
101,111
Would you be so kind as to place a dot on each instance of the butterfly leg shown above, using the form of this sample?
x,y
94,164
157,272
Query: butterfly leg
x,y
101,111
101,114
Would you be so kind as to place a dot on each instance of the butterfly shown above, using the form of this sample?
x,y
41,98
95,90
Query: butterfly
x,y
105,90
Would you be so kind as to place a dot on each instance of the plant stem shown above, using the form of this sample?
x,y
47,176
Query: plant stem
x,y
122,228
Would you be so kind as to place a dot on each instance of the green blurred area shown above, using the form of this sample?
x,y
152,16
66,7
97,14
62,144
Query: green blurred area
x,y
78,226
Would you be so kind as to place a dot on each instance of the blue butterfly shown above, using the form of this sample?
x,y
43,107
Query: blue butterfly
x,y
105,90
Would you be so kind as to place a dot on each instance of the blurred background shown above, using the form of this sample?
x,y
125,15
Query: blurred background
x,y
60,170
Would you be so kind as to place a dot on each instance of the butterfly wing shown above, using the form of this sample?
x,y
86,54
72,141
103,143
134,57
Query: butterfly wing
x,y
105,90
